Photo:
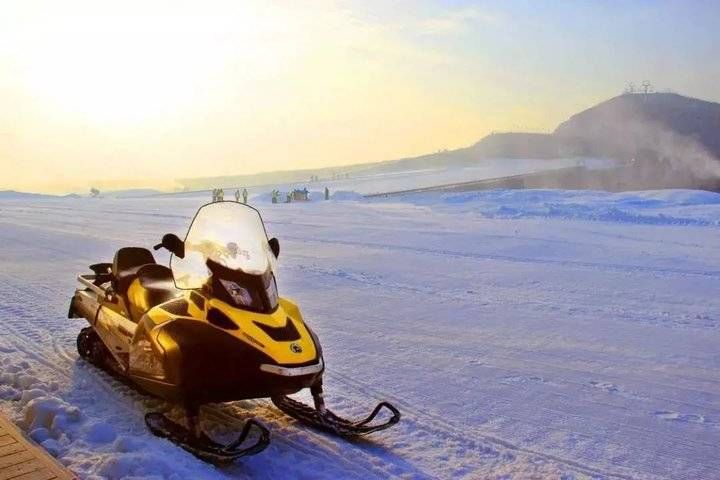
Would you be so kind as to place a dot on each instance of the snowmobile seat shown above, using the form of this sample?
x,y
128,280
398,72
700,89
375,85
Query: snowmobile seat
x,y
154,285
126,264
156,278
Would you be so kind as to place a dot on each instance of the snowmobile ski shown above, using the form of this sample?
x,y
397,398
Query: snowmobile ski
x,y
322,418
202,446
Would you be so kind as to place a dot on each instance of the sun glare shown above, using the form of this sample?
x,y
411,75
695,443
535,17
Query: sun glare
x,y
129,69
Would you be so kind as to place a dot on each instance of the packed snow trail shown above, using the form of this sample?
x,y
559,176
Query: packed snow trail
x,y
516,347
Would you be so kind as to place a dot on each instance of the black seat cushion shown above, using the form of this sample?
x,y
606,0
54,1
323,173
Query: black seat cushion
x,y
158,284
156,277
126,264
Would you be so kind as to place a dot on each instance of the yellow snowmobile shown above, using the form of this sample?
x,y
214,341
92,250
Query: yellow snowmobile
x,y
211,328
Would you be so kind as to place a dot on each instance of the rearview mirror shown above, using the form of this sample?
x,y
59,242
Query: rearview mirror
x,y
171,242
274,246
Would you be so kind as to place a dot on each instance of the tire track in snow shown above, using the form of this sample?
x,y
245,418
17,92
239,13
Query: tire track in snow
x,y
434,432
114,388
389,246
669,445
647,317
510,258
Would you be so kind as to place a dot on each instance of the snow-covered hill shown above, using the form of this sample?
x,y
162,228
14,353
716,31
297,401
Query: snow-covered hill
x,y
524,334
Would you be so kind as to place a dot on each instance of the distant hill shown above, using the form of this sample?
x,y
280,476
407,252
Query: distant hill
x,y
131,193
641,126
670,140
15,195
519,145
632,123
12,194
659,140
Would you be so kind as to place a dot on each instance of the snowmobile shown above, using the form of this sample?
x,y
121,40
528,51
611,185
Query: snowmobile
x,y
211,328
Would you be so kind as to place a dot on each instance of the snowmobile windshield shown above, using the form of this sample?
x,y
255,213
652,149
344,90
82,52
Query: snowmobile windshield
x,y
228,234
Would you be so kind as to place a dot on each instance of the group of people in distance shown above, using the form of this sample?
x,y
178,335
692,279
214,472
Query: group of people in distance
x,y
218,195
298,194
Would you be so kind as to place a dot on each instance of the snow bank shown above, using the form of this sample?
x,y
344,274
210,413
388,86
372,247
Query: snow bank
x,y
345,195
92,448
49,420
656,207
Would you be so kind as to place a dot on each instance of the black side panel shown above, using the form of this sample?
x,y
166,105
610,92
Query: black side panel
x,y
220,320
198,300
288,333
177,307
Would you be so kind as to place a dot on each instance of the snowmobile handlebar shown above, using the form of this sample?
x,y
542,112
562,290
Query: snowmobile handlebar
x,y
173,244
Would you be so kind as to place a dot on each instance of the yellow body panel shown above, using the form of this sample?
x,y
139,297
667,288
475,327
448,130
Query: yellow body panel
x,y
254,335
136,297
248,332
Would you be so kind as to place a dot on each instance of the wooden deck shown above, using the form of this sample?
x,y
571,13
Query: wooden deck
x,y
22,459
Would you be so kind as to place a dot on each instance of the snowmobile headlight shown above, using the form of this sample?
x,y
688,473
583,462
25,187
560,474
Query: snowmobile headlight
x,y
240,295
145,359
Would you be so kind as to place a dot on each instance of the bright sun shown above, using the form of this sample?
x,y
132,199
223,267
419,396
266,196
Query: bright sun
x,y
129,69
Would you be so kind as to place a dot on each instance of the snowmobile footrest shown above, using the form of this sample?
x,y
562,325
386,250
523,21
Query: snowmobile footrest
x,y
203,446
328,421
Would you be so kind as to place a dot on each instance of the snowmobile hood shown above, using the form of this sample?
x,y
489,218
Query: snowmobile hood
x,y
281,336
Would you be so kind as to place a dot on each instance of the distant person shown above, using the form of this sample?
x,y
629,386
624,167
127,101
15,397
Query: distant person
x,y
221,195
214,195
237,196
327,193
245,195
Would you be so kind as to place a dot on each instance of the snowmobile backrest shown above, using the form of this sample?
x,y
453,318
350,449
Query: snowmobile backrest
x,y
126,264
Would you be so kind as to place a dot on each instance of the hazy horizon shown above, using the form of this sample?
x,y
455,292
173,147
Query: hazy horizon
x,y
139,94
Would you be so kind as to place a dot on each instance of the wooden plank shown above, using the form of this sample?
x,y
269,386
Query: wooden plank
x,y
11,448
7,440
15,458
43,474
23,468
23,459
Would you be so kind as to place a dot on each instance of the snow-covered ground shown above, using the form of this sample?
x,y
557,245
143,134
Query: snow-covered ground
x,y
524,334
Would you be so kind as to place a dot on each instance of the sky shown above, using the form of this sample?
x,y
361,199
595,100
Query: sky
x,y
141,93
